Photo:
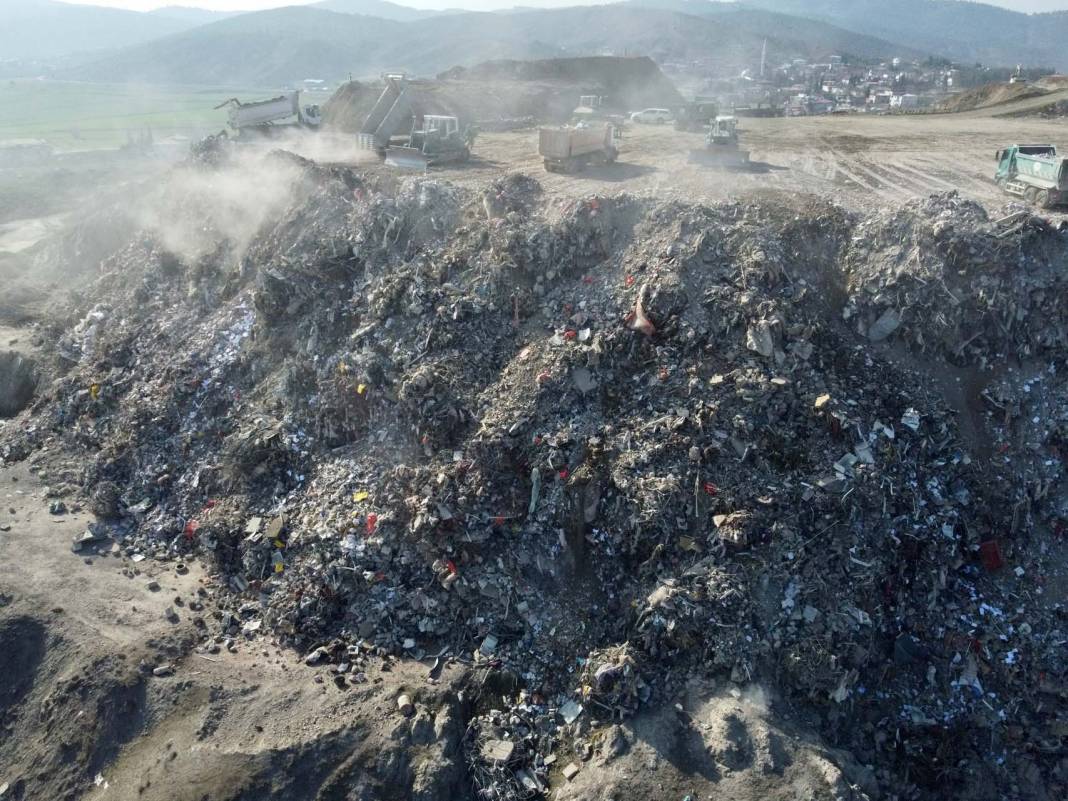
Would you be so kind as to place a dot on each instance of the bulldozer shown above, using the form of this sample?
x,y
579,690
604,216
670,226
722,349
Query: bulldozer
x,y
721,146
439,139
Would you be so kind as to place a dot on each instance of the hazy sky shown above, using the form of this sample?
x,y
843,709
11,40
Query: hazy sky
x,y
479,5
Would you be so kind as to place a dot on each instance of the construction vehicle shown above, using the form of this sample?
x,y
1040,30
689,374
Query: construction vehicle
x,y
391,113
430,139
1034,172
721,146
267,117
438,140
695,116
573,148
590,107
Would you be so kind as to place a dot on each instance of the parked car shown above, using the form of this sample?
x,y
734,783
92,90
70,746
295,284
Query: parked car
x,y
652,116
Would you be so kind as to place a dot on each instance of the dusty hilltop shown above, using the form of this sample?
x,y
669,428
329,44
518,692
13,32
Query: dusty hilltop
x,y
420,489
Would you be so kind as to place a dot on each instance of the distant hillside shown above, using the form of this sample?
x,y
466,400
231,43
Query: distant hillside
x,y
375,8
962,31
257,49
288,44
191,15
41,29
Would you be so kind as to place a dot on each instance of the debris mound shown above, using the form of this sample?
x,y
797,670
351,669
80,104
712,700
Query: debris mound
x,y
604,447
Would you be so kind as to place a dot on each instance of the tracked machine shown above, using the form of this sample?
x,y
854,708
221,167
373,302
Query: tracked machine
x,y
439,140
721,148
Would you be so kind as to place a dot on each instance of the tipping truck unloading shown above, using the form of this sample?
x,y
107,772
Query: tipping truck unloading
x,y
428,139
391,114
267,117
573,148
721,146
1035,172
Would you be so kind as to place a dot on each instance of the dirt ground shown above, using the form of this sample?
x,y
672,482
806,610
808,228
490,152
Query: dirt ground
x,y
863,162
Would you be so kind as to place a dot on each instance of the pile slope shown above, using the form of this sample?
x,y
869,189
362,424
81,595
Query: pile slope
x,y
602,448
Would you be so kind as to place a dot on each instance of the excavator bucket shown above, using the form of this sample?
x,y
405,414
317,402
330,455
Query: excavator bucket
x,y
407,158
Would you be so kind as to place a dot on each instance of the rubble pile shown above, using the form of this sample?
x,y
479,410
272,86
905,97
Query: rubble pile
x,y
942,277
602,446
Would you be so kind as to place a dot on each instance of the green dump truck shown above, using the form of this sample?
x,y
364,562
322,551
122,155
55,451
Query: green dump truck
x,y
1034,172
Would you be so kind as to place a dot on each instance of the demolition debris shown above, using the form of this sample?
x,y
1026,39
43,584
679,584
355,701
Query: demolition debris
x,y
593,448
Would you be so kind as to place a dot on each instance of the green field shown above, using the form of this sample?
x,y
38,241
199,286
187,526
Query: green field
x,y
78,116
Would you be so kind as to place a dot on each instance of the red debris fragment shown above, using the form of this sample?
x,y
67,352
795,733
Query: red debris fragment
x,y
710,488
990,554
569,335
451,565
372,521
191,529
564,473
629,280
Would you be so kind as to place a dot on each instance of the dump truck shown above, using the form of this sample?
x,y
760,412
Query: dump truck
x,y
390,115
1034,172
435,139
266,117
721,146
572,148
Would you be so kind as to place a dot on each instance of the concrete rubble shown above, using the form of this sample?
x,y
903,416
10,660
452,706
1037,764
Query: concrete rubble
x,y
594,448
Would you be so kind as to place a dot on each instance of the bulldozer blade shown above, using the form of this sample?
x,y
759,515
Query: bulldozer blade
x,y
407,158
722,158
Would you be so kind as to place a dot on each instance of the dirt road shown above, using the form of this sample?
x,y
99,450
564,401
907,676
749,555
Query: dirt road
x,y
862,161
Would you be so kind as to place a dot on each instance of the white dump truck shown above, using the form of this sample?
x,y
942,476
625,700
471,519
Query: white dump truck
x,y
572,148
267,116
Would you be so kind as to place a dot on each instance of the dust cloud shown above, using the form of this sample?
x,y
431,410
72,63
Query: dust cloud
x,y
194,211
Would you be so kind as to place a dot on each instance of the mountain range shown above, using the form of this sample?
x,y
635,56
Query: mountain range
x,y
288,44
962,31
333,38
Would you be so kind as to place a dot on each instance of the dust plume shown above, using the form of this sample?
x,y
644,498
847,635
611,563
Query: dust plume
x,y
193,211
